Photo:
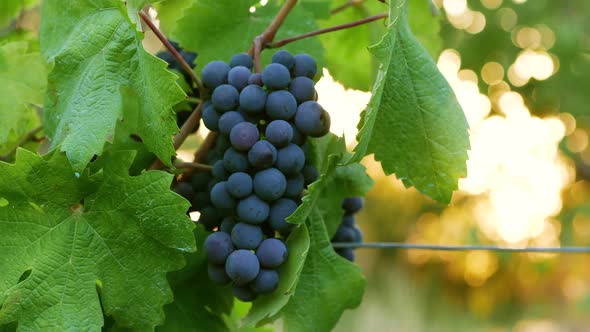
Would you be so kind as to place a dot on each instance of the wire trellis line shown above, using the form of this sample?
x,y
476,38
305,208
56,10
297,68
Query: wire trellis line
x,y
399,245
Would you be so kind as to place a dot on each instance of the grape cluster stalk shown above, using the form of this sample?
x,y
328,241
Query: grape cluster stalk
x,y
259,165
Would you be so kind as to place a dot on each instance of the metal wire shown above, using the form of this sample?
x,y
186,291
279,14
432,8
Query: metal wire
x,y
399,245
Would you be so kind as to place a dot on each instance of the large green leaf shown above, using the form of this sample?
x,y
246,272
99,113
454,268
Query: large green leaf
x,y
72,243
328,285
168,13
10,9
23,77
413,123
208,29
97,53
267,307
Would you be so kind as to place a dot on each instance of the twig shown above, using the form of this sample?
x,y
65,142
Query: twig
x,y
345,5
398,245
185,66
29,136
269,34
188,126
194,166
285,41
257,50
206,145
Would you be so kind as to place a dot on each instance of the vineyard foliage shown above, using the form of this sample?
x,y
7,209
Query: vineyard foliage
x,y
93,238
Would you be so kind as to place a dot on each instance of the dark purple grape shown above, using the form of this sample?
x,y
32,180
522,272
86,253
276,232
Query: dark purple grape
x,y
210,217
239,184
243,293
304,66
281,105
312,120
262,154
243,136
270,184
344,234
348,220
302,88
241,59
218,171
225,98
235,161
252,99
295,186
352,204
253,210
220,196
217,274
217,247
210,117
276,76
347,253
272,253
290,159
310,174
298,137
266,281
242,266
279,133
228,120
238,77
280,210
256,79
185,190
246,236
227,224
214,74
284,58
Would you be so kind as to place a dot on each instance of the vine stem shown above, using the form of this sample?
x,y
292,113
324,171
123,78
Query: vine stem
x,y
185,66
286,41
400,245
194,166
345,5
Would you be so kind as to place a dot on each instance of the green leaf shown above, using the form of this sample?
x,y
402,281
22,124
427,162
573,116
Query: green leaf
x,y
169,12
97,54
23,77
348,60
10,9
425,26
87,241
267,307
208,29
413,123
318,8
328,285
336,182
198,303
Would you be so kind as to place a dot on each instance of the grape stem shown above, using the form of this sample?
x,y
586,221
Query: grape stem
x,y
185,66
286,41
269,34
345,5
194,166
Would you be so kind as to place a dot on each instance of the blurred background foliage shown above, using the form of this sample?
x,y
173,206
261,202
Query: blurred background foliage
x,y
521,71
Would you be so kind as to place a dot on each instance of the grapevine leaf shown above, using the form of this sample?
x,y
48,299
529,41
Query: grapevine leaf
x,y
353,42
134,7
336,182
268,306
69,238
319,8
168,13
413,124
208,29
97,53
328,285
10,9
23,77
198,303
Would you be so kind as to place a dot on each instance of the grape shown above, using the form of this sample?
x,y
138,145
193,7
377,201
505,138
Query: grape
x,y
298,137
276,76
256,79
270,184
344,234
210,117
262,154
222,143
310,174
295,186
284,58
228,120
304,66
252,99
312,120
244,293
199,181
279,133
243,136
290,159
189,57
227,224
185,190
225,98
253,210
280,210
221,198
271,253
200,200
242,266
211,184
217,274
281,105
214,74
235,161
246,236
266,281
348,220
347,253
241,59
218,171
302,89
252,118
352,204
168,57
358,235
238,77
217,247
209,217
239,185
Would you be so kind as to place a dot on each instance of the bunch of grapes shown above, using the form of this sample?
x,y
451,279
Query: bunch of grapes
x,y
347,231
183,110
259,165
